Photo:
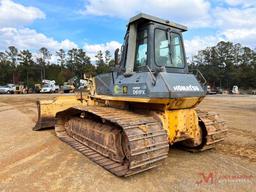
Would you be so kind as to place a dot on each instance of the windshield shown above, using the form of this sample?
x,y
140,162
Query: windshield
x,y
45,86
168,53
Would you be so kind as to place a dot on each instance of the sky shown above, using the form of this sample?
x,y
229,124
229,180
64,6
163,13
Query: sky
x,y
101,24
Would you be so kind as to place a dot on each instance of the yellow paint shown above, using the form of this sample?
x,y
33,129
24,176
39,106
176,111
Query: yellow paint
x,y
48,108
178,116
180,124
179,103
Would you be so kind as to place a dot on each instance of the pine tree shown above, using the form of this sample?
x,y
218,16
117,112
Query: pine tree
x,y
107,56
61,58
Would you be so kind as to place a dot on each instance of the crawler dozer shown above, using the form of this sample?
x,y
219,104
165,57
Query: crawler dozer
x,y
126,120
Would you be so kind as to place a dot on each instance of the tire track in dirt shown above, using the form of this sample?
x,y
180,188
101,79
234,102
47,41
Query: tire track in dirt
x,y
23,154
247,151
244,151
43,163
245,133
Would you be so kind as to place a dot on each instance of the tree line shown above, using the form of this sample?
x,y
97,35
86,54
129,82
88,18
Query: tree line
x,y
21,66
223,65
227,64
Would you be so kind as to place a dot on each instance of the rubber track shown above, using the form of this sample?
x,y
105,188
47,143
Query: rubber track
x,y
148,147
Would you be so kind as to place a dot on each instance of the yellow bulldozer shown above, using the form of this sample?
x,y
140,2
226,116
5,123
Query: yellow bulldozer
x,y
126,120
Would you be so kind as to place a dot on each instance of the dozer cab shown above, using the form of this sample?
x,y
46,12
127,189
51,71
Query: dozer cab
x,y
127,119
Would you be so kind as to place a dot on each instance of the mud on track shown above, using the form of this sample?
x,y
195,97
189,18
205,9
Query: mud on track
x,y
38,161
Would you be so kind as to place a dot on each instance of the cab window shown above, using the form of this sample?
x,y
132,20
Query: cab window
x,y
162,56
141,49
169,54
177,54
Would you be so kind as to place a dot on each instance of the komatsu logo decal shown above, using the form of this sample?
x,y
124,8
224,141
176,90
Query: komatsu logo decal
x,y
186,88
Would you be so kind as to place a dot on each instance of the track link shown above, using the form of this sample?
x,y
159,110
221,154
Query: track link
x,y
213,129
147,141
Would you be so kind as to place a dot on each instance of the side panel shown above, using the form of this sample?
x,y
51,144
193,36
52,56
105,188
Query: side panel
x,y
147,85
182,85
104,83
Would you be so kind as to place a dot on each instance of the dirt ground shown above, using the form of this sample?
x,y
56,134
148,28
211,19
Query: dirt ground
x,y
39,161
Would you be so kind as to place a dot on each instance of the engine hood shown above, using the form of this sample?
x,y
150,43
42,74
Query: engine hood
x,y
148,85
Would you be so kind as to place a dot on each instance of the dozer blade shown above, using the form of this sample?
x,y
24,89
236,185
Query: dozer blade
x,y
47,110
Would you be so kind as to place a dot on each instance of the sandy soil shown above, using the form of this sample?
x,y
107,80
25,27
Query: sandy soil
x,y
39,161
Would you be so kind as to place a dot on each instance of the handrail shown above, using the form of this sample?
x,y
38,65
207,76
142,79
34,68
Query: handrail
x,y
200,77
152,76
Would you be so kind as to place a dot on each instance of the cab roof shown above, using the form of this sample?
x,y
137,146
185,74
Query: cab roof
x,y
143,16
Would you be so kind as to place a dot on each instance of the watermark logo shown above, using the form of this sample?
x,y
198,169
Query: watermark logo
x,y
211,178
206,178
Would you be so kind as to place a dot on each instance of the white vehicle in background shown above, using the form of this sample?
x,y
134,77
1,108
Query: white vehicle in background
x,y
83,84
210,90
7,89
235,90
49,87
